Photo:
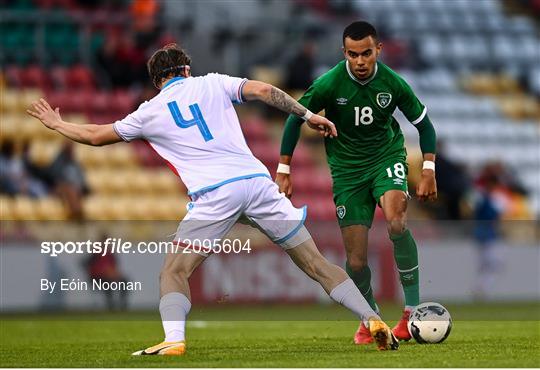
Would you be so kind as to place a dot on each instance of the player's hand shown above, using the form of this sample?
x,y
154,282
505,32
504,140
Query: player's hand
x,y
43,112
427,187
284,182
325,127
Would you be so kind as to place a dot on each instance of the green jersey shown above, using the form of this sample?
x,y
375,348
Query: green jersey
x,y
368,135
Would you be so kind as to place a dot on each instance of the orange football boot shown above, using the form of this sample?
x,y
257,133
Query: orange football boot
x,y
164,349
382,334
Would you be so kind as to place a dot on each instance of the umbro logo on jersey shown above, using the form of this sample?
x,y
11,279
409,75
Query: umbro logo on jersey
x,y
384,99
341,210
342,101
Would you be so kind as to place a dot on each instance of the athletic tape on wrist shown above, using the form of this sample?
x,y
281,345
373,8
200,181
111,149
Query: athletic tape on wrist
x,y
307,116
283,168
428,165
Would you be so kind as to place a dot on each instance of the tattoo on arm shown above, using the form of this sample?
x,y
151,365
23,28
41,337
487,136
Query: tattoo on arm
x,y
285,102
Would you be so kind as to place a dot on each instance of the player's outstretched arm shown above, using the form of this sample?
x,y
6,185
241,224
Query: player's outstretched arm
x,y
96,135
271,95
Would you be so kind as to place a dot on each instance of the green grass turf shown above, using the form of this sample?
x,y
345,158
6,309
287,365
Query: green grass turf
x,y
498,335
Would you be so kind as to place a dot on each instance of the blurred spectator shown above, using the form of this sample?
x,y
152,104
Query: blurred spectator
x,y
489,206
14,177
105,267
508,188
9,173
301,68
121,60
36,173
452,183
145,23
69,180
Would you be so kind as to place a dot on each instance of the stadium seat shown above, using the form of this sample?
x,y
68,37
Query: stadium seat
x,y
165,182
50,208
42,153
92,157
10,100
35,76
79,77
6,208
122,102
10,124
254,129
25,208
99,102
97,208
121,155
140,181
13,75
59,76
28,96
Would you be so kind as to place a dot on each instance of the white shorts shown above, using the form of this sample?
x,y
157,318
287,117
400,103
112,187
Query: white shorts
x,y
212,214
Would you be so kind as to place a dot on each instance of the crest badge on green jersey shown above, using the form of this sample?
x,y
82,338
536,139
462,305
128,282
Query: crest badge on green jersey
x,y
384,99
341,210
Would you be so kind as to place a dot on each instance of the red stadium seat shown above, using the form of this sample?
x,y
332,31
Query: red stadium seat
x,y
254,130
302,157
62,99
122,102
267,152
14,76
80,77
59,76
319,207
35,76
99,102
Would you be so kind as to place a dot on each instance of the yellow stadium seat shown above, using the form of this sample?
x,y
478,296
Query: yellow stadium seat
x,y
165,182
140,181
25,208
92,157
51,208
6,208
9,101
75,118
272,76
9,123
121,155
42,153
27,97
118,181
98,207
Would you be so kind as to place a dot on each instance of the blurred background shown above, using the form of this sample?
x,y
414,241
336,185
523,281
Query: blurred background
x,y
473,63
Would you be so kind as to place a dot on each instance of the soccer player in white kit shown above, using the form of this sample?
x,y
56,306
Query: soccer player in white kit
x,y
192,124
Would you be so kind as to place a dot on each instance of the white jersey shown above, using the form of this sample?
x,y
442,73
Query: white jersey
x,y
192,124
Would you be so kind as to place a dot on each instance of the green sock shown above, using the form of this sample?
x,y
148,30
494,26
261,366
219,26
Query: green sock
x,y
406,256
362,280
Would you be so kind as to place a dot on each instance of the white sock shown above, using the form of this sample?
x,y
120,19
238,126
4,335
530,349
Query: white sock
x,y
347,294
174,308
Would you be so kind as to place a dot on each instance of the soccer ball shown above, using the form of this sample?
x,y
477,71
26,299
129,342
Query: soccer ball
x,y
429,322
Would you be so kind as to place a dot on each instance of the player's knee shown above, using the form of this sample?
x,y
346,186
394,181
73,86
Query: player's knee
x,y
397,224
357,264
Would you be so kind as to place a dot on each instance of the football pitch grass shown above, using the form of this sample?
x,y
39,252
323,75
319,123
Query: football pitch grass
x,y
483,335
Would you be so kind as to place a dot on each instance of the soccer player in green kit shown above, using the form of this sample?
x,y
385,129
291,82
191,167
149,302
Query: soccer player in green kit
x,y
368,159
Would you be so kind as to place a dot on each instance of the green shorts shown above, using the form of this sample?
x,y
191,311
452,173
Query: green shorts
x,y
355,205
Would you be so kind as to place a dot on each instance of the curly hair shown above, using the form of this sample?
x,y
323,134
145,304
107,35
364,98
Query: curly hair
x,y
170,60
